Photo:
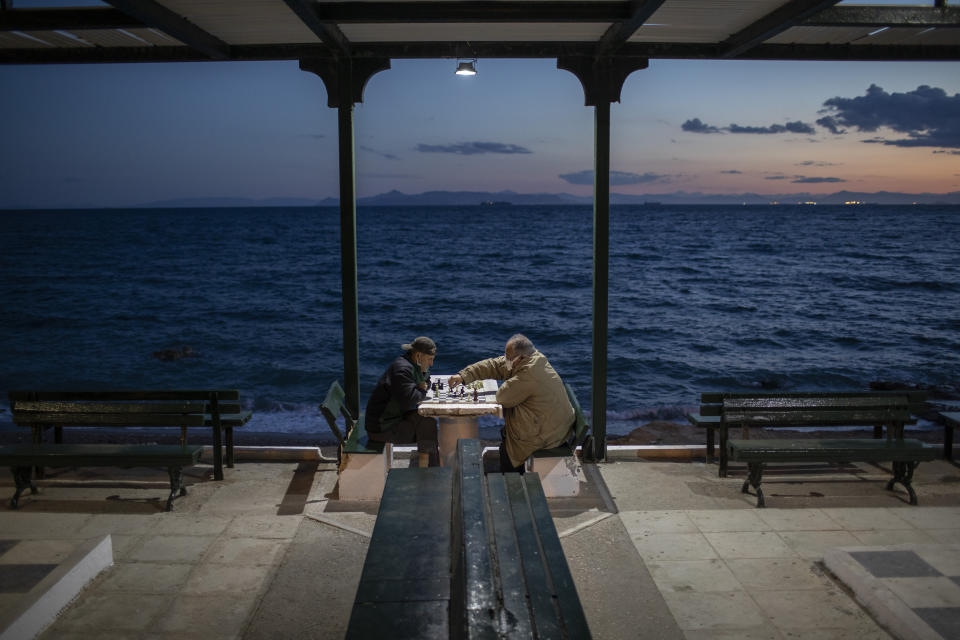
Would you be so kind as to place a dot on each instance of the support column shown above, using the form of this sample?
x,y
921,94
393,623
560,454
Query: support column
x,y
601,273
602,78
345,79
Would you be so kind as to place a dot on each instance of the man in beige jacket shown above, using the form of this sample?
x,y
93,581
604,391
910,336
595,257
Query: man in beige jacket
x,y
536,411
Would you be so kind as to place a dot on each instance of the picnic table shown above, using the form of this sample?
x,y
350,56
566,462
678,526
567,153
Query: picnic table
x,y
459,417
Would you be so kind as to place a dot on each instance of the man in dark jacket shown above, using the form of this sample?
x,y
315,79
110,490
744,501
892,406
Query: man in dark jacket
x,y
392,408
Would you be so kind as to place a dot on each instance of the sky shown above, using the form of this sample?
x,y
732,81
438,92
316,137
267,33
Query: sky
x,y
118,135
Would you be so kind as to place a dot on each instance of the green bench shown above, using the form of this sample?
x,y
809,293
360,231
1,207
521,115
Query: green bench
x,y
456,554
557,466
22,458
218,410
825,409
905,454
362,463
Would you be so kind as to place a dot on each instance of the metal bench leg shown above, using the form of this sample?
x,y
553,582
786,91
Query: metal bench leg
x,y
22,478
217,454
754,477
710,454
948,442
723,451
176,485
229,434
903,473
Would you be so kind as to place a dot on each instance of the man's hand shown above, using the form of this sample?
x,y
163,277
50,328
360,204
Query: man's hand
x,y
454,380
423,386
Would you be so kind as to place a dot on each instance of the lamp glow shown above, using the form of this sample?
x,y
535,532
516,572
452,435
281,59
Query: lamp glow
x,y
466,68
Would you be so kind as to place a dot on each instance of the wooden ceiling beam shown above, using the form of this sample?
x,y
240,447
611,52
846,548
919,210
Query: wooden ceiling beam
x,y
470,11
158,17
618,34
771,24
940,17
78,19
326,30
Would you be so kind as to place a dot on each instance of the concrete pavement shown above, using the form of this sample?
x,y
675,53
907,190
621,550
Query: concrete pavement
x,y
658,549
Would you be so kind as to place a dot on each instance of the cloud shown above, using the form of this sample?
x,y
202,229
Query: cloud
x,y
732,171
695,126
616,177
951,152
472,148
790,127
814,180
388,156
817,163
927,115
830,123
775,178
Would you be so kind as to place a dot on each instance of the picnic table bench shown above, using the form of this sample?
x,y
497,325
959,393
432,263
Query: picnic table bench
x,y
456,554
719,411
22,458
218,410
905,454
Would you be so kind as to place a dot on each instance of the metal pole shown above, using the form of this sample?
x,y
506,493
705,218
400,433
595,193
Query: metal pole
x,y
601,264
348,251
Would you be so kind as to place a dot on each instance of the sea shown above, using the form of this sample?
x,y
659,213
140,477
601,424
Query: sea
x,y
701,298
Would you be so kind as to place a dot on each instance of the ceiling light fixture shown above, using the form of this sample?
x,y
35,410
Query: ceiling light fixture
x,y
467,68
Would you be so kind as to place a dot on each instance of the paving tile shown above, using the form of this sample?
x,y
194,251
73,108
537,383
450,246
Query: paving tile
x,y
693,575
869,519
190,524
925,592
246,551
20,578
935,517
283,527
946,536
943,620
894,564
709,521
868,631
123,545
656,547
778,574
143,577
946,558
117,524
113,611
811,609
175,549
768,632
44,526
811,544
716,611
638,522
6,545
39,552
798,520
209,616
749,544
890,537
227,580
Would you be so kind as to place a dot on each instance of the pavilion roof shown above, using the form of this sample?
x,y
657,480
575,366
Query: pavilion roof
x,y
192,30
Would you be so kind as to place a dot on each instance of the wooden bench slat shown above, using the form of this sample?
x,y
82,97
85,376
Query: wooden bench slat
x,y
564,589
110,419
815,402
132,395
507,551
539,589
828,450
79,455
818,417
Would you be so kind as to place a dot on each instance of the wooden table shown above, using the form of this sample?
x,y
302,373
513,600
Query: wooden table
x,y
459,418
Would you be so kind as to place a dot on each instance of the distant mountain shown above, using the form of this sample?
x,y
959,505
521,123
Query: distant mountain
x,y
230,202
471,198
